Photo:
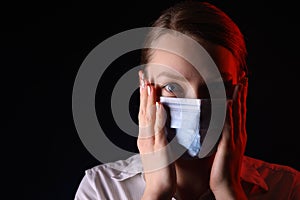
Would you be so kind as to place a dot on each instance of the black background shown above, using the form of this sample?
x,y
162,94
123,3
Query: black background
x,y
43,45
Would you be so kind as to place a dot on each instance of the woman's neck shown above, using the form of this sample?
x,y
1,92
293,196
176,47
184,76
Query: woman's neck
x,y
192,177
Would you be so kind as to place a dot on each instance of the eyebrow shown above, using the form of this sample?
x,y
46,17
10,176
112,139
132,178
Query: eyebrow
x,y
172,76
225,77
183,79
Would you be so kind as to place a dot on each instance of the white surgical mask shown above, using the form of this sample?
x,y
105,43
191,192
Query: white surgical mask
x,y
185,122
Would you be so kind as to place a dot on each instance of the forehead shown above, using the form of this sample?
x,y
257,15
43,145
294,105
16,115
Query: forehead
x,y
161,60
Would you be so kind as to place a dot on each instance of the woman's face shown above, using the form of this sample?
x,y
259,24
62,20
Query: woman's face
x,y
178,78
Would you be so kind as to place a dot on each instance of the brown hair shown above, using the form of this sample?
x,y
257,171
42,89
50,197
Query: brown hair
x,y
202,21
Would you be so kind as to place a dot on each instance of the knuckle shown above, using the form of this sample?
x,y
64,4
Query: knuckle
x,y
145,145
141,116
158,126
141,112
149,118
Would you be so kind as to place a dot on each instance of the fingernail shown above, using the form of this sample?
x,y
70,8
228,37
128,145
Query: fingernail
x,y
142,83
157,105
149,90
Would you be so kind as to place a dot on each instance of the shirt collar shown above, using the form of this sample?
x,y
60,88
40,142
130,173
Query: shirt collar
x,y
126,168
250,174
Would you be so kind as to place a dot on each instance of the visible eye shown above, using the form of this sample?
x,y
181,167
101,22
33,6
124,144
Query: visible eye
x,y
173,89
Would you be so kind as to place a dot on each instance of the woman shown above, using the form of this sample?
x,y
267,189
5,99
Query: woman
x,y
224,173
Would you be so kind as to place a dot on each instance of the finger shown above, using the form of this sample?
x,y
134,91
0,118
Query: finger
x,y
147,117
226,138
151,109
244,81
236,111
145,141
141,74
143,100
161,156
143,105
159,127
141,78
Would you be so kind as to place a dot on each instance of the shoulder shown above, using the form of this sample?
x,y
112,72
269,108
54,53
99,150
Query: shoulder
x,y
130,166
112,180
274,168
274,179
